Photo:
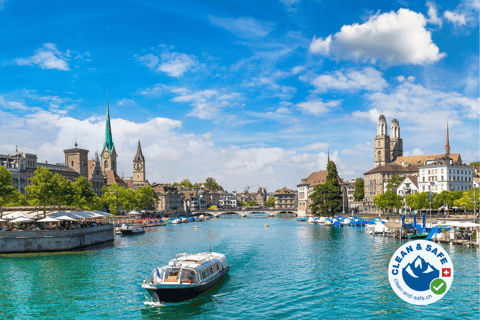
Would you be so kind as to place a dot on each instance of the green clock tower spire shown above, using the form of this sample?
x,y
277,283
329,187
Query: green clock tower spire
x,y
109,155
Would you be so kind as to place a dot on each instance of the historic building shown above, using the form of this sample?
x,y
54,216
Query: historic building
x,y
387,148
77,159
21,166
307,186
95,175
408,186
284,199
169,198
445,175
139,167
228,200
109,154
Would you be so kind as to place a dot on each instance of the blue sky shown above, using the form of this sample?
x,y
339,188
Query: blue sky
x,y
249,92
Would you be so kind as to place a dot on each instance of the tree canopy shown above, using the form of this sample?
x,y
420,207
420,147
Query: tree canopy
x,y
359,193
476,163
327,198
394,182
8,193
42,190
270,203
146,198
388,200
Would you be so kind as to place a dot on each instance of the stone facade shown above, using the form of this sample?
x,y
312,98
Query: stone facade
x,y
139,168
169,198
285,199
95,175
445,175
377,178
77,159
387,149
228,200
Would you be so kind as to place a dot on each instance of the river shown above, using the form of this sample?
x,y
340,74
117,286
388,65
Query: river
x,y
289,270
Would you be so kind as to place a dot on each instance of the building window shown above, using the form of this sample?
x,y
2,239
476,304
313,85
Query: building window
x,y
72,163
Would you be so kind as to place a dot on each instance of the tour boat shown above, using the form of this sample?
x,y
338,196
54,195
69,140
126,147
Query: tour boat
x,y
131,229
187,276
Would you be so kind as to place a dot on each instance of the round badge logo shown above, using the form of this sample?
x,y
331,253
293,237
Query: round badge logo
x,y
420,272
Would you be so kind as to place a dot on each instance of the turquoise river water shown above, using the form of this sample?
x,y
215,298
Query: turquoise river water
x,y
289,270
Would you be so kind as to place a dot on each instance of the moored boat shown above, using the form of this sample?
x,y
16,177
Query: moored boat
x,y
132,229
186,276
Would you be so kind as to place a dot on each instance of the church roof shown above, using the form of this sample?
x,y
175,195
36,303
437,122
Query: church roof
x,y
112,178
139,154
108,132
393,167
421,159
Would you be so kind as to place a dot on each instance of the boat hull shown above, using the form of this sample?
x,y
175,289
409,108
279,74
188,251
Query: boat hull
x,y
131,232
182,293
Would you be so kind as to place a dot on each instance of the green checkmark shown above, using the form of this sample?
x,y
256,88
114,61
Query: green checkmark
x,y
438,286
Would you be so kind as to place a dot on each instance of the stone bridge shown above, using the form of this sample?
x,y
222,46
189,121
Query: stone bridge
x,y
244,213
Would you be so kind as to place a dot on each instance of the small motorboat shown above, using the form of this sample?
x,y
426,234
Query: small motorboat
x,y
132,229
187,276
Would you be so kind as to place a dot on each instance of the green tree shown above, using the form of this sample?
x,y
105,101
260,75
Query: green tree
x,y
475,164
146,198
211,184
112,197
42,190
394,182
270,203
8,193
467,200
84,196
388,200
63,193
252,203
186,183
359,193
128,200
327,198
418,200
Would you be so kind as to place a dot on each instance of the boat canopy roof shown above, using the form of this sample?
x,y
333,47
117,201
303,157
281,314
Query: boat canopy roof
x,y
198,260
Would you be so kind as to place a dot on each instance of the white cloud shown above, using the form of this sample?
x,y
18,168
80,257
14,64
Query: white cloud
x,y
392,38
270,81
425,110
244,27
317,106
433,14
321,46
174,64
457,19
47,57
351,80
314,146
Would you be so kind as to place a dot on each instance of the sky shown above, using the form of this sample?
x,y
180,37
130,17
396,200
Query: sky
x,y
252,93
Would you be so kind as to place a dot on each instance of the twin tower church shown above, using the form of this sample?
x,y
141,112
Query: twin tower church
x,y
104,167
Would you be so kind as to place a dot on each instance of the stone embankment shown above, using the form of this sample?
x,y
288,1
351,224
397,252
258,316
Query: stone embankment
x,y
54,240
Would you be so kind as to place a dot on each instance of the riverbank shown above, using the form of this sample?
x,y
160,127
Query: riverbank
x,y
54,240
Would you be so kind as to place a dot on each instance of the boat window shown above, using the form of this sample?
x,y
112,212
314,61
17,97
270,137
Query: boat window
x,y
171,275
188,276
157,275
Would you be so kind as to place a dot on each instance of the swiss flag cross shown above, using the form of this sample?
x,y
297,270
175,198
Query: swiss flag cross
x,y
446,272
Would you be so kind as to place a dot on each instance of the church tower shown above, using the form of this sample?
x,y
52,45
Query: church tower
x,y
139,167
382,143
77,159
396,143
109,155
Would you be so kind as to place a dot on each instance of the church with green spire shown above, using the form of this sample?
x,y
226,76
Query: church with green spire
x,y
109,155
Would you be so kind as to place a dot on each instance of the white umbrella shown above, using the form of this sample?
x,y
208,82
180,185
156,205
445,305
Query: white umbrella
x,y
2,220
65,218
22,219
47,219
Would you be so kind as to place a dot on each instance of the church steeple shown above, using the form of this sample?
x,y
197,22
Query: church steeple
x,y
139,155
108,132
447,145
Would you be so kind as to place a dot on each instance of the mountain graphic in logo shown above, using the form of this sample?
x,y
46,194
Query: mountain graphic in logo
x,y
418,274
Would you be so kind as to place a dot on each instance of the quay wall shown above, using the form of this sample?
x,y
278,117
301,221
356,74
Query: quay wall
x,y
54,240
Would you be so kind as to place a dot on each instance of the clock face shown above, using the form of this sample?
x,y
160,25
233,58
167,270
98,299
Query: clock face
x,y
105,155
138,166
